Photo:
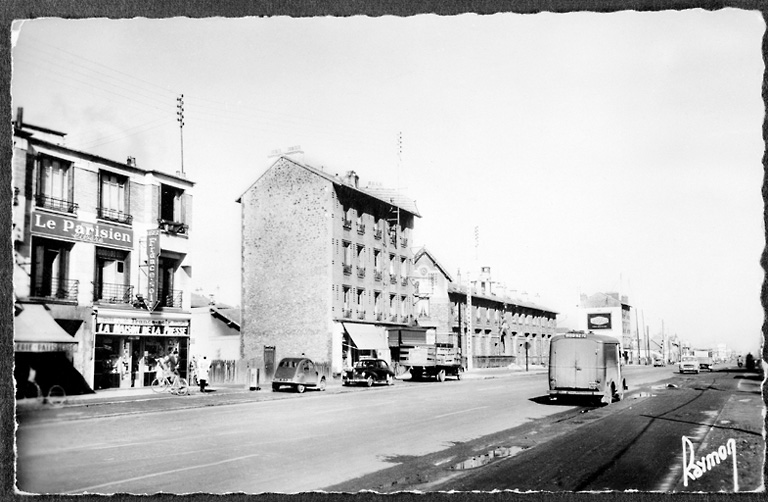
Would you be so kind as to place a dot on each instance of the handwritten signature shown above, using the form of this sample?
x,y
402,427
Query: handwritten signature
x,y
694,469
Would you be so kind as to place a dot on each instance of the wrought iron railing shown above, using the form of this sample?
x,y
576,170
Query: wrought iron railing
x,y
114,215
403,242
172,299
360,228
361,272
56,289
393,279
361,314
377,234
66,206
113,293
346,223
377,275
347,269
347,313
172,227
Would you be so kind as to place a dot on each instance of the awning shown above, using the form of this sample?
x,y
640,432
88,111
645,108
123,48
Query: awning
x,y
36,331
366,336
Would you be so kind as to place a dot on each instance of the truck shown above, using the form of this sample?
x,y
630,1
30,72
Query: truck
x,y
705,359
586,365
416,350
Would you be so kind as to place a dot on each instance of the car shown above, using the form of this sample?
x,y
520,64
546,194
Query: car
x,y
657,361
369,371
689,364
705,363
298,373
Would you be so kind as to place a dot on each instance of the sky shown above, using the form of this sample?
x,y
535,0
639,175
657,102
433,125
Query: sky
x,y
593,152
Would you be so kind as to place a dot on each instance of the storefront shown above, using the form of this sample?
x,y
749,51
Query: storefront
x,y
364,340
128,345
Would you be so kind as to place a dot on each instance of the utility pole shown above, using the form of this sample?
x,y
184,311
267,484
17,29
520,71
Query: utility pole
x,y
180,119
637,332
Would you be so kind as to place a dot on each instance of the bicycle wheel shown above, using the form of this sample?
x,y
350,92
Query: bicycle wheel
x,y
32,391
56,396
159,385
182,388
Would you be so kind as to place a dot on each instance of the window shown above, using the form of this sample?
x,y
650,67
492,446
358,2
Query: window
x,y
168,296
347,259
111,284
377,303
172,210
113,198
50,267
55,184
347,308
361,303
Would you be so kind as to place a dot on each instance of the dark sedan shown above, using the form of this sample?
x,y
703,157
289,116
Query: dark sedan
x,y
299,373
368,372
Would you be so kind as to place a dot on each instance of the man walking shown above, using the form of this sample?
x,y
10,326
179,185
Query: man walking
x,y
203,366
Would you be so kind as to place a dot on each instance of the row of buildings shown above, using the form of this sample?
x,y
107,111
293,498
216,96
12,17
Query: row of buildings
x,y
103,255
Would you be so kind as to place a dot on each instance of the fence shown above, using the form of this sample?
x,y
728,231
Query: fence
x,y
226,371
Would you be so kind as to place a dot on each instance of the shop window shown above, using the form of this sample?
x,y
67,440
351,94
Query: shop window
x,y
55,185
111,281
172,210
113,198
50,269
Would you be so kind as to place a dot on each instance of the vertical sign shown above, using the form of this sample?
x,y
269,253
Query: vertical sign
x,y
153,250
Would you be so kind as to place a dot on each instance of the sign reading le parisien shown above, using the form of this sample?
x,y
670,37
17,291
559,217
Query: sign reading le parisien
x,y
53,225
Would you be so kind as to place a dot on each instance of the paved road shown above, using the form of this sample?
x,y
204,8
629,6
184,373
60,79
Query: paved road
x,y
633,445
309,442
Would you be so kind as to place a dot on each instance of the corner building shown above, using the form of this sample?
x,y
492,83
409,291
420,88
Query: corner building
x,y
326,268
101,259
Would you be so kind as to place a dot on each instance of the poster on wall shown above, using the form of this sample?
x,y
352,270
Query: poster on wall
x,y
599,321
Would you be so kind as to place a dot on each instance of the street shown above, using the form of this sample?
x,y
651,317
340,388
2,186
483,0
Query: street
x,y
365,439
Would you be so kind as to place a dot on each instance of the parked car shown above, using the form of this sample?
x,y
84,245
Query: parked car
x,y
369,371
299,373
657,361
689,364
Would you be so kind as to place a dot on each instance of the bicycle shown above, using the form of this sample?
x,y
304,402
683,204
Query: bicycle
x,y
178,386
56,396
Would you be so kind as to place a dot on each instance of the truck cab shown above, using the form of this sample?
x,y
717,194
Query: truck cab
x,y
586,364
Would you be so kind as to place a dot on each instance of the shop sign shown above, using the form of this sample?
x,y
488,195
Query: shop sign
x,y
599,321
141,327
41,347
153,249
53,225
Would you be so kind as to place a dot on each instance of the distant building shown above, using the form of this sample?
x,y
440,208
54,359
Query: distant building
x,y
326,267
101,259
215,329
501,325
609,314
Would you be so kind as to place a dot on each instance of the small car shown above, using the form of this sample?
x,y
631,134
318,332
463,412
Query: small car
x,y
689,364
657,361
299,373
369,371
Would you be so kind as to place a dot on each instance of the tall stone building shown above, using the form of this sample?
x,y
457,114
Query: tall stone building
x,y
326,267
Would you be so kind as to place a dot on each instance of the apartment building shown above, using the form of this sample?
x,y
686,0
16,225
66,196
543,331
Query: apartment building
x,y
609,314
101,260
327,266
504,330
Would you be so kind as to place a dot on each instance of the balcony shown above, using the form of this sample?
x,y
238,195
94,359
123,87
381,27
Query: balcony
x,y
377,275
360,228
65,206
113,215
346,223
172,227
347,269
346,313
403,242
393,279
172,299
361,272
393,239
113,293
56,290
379,316
377,234
404,281
361,314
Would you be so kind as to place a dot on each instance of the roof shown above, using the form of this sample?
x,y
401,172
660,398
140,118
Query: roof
x,y
457,289
425,252
231,316
388,196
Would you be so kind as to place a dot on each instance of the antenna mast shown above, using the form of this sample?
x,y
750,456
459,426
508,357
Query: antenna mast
x,y
180,119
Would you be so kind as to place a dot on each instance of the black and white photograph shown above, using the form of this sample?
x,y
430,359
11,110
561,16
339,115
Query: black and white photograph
x,y
386,253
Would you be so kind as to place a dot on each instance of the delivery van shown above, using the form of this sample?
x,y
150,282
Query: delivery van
x,y
586,364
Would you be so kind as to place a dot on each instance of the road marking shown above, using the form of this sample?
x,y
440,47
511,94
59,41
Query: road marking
x,y
163,473
458,412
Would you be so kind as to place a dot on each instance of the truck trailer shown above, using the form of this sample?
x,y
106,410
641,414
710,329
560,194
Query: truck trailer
x,y
416,350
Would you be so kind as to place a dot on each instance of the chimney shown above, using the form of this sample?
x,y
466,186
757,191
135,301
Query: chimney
x,y
131,161
19,117
351,179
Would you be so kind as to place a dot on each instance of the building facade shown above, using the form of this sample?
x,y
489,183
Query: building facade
x,y
326,267
103,248
504,330
609,314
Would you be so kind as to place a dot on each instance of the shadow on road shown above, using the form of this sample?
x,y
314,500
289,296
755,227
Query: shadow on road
x,y
562,401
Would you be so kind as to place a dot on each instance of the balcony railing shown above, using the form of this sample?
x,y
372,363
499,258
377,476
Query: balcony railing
x,y
114,215
113,293
393,279
379,316
65,206
346,313
347,269
377,275
361,272
172,299
361,228
404,281
361,314
56,290
172,227
393,239
403,242
377,234
346,223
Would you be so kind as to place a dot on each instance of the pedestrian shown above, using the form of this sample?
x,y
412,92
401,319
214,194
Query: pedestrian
x,y
203,365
